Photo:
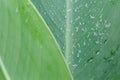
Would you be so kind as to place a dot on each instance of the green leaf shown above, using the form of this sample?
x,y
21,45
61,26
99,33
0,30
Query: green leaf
x,y
2,75
28,50
88,34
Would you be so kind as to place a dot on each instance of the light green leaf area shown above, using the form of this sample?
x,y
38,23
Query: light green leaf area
x,y
2,76
28,50
88,34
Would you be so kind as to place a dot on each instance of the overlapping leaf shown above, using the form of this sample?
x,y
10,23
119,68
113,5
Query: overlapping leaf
x,y
27,48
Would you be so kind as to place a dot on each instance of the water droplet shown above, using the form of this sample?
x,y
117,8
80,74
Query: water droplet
x,y
78,54
44,13
97,42
84,43
107,59
68,62
97,52
100,20
92,79
97,24
89,39
68,10
61,28
77,18
92,29
94,33
78,45
92,17
72,34
63,47
79,60
83,23
90,59
105,41
79,51
74,65
75,10
76,29
85,64
76,1
94,1
80,23
107,25
72,52
86,5
100,34
83,29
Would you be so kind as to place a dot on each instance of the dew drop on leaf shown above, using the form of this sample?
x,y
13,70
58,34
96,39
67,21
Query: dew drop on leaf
x,y
97,52
72,52
97,24
75,10
79,51
76,1
90,59
94,33
107,25
77,18
97,42
92,79
100,20
61,28
74,65
92,17
78,54
68,10
86,5
84,43
79,60
83,29
76,29
44,13
80,23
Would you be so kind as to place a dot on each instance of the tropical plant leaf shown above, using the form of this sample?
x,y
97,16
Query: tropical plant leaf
x,y
28,50
88,34
2,76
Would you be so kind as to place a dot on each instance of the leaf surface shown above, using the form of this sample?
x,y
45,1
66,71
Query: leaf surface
x,y
28,50
88,33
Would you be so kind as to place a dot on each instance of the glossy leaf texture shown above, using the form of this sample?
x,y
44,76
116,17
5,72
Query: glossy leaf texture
x,y
28,50
88,33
